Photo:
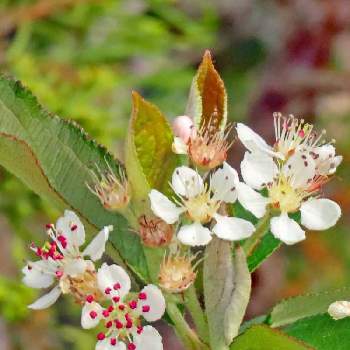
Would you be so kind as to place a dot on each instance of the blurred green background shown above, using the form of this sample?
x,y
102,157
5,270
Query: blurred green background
x,y
82,59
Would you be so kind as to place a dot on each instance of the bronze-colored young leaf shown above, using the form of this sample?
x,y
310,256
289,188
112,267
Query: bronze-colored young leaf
x,y
207,103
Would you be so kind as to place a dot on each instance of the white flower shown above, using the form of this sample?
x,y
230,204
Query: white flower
x,y
293,135
62,263
206,146
291,186
122,313
200,202
339,309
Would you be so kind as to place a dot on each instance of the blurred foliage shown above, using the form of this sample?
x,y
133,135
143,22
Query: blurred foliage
x,y
82,58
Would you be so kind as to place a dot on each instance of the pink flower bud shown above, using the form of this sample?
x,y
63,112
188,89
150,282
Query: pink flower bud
x,y
183,127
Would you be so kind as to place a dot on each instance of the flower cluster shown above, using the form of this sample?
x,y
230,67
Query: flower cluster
x,y
293,172
103,294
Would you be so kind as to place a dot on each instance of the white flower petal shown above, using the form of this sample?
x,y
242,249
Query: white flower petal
x,y
109,275
155,300
106,345
286,229
339,309
251,200
254,142
46,300
72,228
258,169
149,339
232,228
88,322
178,146
97,246
187,182
301,169
194,234
163,207
319,214
39,274
223,183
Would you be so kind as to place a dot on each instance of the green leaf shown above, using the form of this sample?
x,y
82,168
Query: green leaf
x,y
207,104
54,157
322,332
236,309
265,338
293,309
149,159
226,291
264,249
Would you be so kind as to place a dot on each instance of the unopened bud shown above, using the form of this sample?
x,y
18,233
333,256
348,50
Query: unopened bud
x,y
339,309
183,128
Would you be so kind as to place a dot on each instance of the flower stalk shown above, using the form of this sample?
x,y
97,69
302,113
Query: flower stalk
x,y
197,314
261,229
185,333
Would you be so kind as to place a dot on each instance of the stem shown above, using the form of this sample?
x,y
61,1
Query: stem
x,y
250,244
197,313
188,337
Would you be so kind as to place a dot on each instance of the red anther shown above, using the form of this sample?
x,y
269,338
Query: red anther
x,y
108,291
90,298
74,227
105,313
133,304
142,296
121,307
301,133
110,308
118,324
61,238
146,308
113,341
59,274
127,317
131,346
48,226
93,314
32,245
58,257
128,324
101,336
117,286
64,244
116,299
109,324
30,267
139,329
39,251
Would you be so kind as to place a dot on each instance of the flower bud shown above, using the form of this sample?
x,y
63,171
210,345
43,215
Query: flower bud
x,y
183,127
177,273
155,232
339,309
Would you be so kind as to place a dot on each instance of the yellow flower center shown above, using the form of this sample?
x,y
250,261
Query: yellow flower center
x,y
201,208
283,196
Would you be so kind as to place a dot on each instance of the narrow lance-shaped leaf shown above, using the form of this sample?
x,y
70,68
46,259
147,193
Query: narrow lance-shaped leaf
x,y
293,309
226,291
236,309
207,104
54,158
